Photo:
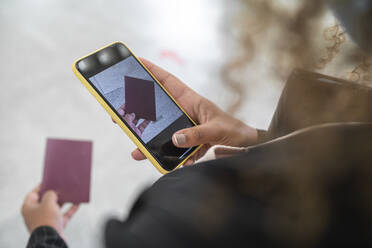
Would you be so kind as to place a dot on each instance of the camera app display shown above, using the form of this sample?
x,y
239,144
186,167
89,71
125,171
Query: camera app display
x,y
137,98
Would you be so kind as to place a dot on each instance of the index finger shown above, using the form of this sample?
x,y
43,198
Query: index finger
x,y
138,155
33,196
169,81
71,211
36,189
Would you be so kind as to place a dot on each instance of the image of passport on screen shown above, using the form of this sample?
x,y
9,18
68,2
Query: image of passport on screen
x,y
143,105
136,90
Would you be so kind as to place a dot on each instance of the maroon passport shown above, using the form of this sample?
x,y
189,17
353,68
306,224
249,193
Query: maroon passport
x,y
67,170
140,98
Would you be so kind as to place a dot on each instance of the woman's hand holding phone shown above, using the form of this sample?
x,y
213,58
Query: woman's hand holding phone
x,y
45,211
215,127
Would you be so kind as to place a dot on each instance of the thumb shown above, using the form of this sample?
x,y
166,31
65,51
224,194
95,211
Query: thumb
x,y
194,136
49,197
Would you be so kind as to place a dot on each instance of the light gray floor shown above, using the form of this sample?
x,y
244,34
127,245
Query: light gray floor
x,y
40,97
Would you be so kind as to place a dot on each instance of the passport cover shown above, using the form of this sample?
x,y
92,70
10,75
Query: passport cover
x,y
67,170
140,98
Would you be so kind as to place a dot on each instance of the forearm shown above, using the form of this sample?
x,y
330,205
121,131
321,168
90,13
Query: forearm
x,y
45,237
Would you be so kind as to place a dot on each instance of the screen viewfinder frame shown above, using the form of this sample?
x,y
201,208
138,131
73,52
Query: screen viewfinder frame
x,y
162,153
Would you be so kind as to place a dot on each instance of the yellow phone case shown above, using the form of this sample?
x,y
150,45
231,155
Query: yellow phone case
x,y
119,121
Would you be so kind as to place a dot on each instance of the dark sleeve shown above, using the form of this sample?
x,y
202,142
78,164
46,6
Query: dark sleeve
x,y
189,208
263,136
248,201
310,99
45,237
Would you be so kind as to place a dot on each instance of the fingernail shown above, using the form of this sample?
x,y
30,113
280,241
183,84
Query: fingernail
x,y
180,139
121,112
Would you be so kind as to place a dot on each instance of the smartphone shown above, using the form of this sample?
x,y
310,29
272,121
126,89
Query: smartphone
x,y
137,102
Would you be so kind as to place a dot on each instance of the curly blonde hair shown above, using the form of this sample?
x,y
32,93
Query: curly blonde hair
x,y
300,41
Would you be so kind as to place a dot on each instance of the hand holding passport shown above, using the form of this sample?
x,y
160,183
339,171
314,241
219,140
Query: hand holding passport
x,y
67,170
67,165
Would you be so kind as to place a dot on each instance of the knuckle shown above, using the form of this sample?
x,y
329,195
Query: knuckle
x,y
197,134
49,193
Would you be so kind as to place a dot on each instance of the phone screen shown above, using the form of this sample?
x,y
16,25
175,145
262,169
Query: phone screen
x,y
135,96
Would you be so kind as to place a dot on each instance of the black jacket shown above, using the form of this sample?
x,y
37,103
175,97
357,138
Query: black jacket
x,y
306,185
